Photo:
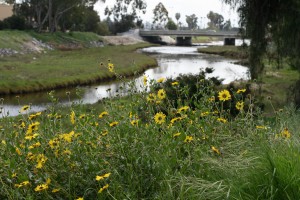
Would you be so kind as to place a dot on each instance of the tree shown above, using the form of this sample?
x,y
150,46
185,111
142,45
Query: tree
x,y
125,13
192,21
177,16
49,11
270,20
216,20
227,25
161,14
171,25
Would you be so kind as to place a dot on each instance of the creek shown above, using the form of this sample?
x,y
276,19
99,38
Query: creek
x,y
171,60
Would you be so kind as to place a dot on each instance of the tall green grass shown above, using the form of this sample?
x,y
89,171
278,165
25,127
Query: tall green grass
x,y
139,156
60,69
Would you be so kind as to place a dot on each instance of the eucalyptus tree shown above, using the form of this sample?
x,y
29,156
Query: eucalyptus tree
x,y
161,14
125,13
192,21
216,20
50,11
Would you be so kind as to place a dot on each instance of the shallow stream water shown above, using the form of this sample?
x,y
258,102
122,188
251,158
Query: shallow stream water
x,y
171,60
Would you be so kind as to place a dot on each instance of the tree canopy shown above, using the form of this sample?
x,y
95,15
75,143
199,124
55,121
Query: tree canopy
x,y
216,20
54,12
192,21
161,14
125,14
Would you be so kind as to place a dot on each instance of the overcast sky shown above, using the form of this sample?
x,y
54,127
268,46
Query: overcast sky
x,y
185,7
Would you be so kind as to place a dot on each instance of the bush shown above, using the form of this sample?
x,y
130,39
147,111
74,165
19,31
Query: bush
x,y
15,22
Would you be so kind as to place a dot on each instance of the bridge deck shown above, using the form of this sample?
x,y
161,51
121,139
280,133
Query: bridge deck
x,y
189,33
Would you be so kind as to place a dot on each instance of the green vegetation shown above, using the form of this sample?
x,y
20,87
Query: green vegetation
x,y
146,147
13,39
56,69
59,38
226,51
283,79
203,39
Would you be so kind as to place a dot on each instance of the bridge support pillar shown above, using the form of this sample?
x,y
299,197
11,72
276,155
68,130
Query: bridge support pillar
x,y
229,41
183,41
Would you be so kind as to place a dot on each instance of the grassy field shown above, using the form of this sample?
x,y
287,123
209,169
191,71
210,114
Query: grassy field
x,y
57,69
146,146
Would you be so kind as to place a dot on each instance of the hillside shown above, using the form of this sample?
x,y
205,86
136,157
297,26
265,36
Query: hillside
x,y
21,42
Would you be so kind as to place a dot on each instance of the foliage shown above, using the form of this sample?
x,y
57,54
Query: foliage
x,y
102,28
139,147
14,22
216,20
52,12
125,14
227,25
192,21
177,16
171,25
270,21
82,19
161,14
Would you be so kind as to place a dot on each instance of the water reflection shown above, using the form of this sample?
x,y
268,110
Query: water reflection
x,y
172,61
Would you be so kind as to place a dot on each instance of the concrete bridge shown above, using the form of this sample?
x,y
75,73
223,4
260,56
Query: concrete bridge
x,y
184,37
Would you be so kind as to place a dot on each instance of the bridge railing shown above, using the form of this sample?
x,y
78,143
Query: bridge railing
x,y
189,33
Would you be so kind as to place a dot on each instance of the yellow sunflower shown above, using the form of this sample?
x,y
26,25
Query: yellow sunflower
x,y
134,122
72,117
241,91
160,80
145,80
174,83
224,95
285,133
161,94
103,114
24,108
160,118
111,67
215,150
113,124
183,109
151,97
239,105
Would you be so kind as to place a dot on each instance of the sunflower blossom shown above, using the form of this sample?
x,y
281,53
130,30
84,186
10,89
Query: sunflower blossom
x,y
241,91
104,113
160,80
161,94
72,117
111,67
188,139
215,150
285,133
103,188
145,80
41,187
224,95
159,118
239,105
24,108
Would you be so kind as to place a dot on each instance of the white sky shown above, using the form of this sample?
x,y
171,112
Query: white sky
x,y
185,7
